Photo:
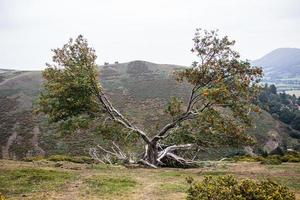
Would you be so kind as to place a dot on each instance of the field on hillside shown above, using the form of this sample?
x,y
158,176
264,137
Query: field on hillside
x,y
65,180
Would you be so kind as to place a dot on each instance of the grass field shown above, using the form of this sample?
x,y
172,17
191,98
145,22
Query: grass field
x,y
70,181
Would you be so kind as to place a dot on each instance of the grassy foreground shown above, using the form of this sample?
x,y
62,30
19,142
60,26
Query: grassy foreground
x,y
65,180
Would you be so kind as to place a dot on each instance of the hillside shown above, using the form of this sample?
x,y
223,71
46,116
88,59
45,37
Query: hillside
x,y
139,89
281,62
282,68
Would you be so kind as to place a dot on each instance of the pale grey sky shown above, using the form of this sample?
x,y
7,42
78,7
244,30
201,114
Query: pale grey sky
x,y
154,30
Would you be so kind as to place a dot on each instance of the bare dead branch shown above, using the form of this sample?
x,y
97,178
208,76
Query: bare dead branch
x,y
146,163
169,149
93,154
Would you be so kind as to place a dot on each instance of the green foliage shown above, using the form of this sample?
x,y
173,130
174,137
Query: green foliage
x,y
173,187
72,124
229,188
281,105
33,158
211,129
295,123
269,159
174,107
18,181
246,159
71,95
291,157
224,88
70,84
2,196
75,159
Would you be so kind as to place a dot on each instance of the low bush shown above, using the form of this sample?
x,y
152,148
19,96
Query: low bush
x,y
2,196
33,158
268,160
290,158
271,161
77,159
229,188
245,158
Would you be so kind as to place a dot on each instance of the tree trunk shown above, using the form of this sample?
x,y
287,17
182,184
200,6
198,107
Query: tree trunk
x,y
152,153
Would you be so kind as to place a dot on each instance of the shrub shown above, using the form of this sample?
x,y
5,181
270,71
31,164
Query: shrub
x,y
288,158
268,160
291,157
57,158
229,188
245,158
77,159
33,158
271,161
2,196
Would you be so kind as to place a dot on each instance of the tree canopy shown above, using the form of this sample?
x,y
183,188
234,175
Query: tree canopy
x,y
71,83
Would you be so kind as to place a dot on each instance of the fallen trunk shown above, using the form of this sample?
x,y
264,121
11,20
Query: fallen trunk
x,y
155,156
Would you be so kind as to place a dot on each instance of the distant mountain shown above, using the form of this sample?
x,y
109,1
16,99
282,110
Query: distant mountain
x,y
140,89
282,62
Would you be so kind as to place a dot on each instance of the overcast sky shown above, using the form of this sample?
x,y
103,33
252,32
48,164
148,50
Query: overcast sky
x,y
159,31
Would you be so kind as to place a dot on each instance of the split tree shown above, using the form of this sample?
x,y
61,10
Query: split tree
x,y
223,88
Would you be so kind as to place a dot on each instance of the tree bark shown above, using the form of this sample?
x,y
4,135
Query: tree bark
x,y
151,154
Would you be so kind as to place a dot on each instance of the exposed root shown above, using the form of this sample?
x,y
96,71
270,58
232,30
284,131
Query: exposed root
x,y
93,153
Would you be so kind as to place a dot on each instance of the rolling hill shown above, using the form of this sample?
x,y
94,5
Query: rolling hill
x,y
281,62
282,68
139,89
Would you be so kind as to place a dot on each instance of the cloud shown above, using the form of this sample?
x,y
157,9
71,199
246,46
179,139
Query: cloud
x,y
157,30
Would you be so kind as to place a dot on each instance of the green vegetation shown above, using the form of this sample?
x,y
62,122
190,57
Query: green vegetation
x,y
282,106
74,159
33,158
268,160
289,181
229,188
2,196
213,173
177,187
42,180
272,161
57,158
110,186
18,181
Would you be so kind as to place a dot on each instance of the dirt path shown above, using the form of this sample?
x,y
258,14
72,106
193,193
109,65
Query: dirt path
x,y
70,191
146,191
